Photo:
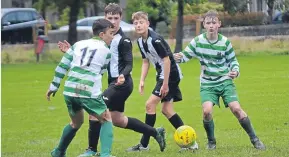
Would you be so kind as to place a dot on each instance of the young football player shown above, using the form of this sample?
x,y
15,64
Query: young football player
x,y
219,67
86,61
155,50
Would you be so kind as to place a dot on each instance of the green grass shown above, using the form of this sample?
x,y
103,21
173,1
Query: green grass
x,y
31,126
243,46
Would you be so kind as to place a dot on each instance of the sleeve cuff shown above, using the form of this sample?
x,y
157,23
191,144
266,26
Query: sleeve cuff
x,y
52,87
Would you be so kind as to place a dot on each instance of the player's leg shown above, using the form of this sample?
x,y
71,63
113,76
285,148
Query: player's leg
x,y
109,95
174,95
116,102
106,134
231,100
171,115
98,108
115,97
209,97
175,120
208,124
246,124
93,137
150,120
122,121
69,131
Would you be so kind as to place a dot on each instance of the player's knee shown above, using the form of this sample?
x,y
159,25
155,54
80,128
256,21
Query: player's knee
x,y
167,112
150,108
239,113
76,125
118,122
207,114
236,110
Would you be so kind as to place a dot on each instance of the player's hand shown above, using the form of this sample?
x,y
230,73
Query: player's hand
x,y
233,74
178,57
141,87
63,46
164,90
120,80
48,94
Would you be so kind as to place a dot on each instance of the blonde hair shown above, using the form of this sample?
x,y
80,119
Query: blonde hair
x,y
138,15
212,14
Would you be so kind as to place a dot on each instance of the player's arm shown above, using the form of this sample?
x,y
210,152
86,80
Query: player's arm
x,y
163,52
105,59
167,68
60,72
188,53
232,61
126,52
144,70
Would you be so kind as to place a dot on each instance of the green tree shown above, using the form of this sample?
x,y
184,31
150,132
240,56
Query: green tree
x,y
64,17
41,6
187,8
74,10
202,8
235,6
180,22
158,10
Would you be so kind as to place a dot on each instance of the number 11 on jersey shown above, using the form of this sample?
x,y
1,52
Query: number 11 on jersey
x,y
84,50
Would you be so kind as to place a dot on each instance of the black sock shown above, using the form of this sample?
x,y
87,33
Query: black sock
x,y
93,134
209,127
138,126
247,126
176,121
150,120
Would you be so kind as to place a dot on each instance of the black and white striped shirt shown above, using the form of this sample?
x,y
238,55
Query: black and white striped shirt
x,y
155,48
121,56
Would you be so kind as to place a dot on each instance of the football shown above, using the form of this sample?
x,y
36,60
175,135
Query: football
x,y
185,136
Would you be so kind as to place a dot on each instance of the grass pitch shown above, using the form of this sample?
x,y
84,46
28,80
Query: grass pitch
x,y
31,126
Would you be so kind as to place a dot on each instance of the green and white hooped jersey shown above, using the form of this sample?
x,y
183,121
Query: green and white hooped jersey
x,y
216,59
87,60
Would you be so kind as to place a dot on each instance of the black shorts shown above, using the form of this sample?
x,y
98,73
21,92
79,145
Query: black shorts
x,y
115,96
174,94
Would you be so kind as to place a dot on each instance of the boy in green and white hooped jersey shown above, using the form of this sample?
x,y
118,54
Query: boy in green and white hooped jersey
x,y
219,66
86,61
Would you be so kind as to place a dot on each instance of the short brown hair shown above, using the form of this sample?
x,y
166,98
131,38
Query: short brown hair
x,y
138,15
101,25
113,8
211,13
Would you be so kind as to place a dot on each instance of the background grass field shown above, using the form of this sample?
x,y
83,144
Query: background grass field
x,y
31,126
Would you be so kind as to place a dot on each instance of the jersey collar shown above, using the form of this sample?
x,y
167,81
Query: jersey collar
x,y
119,31
219,38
